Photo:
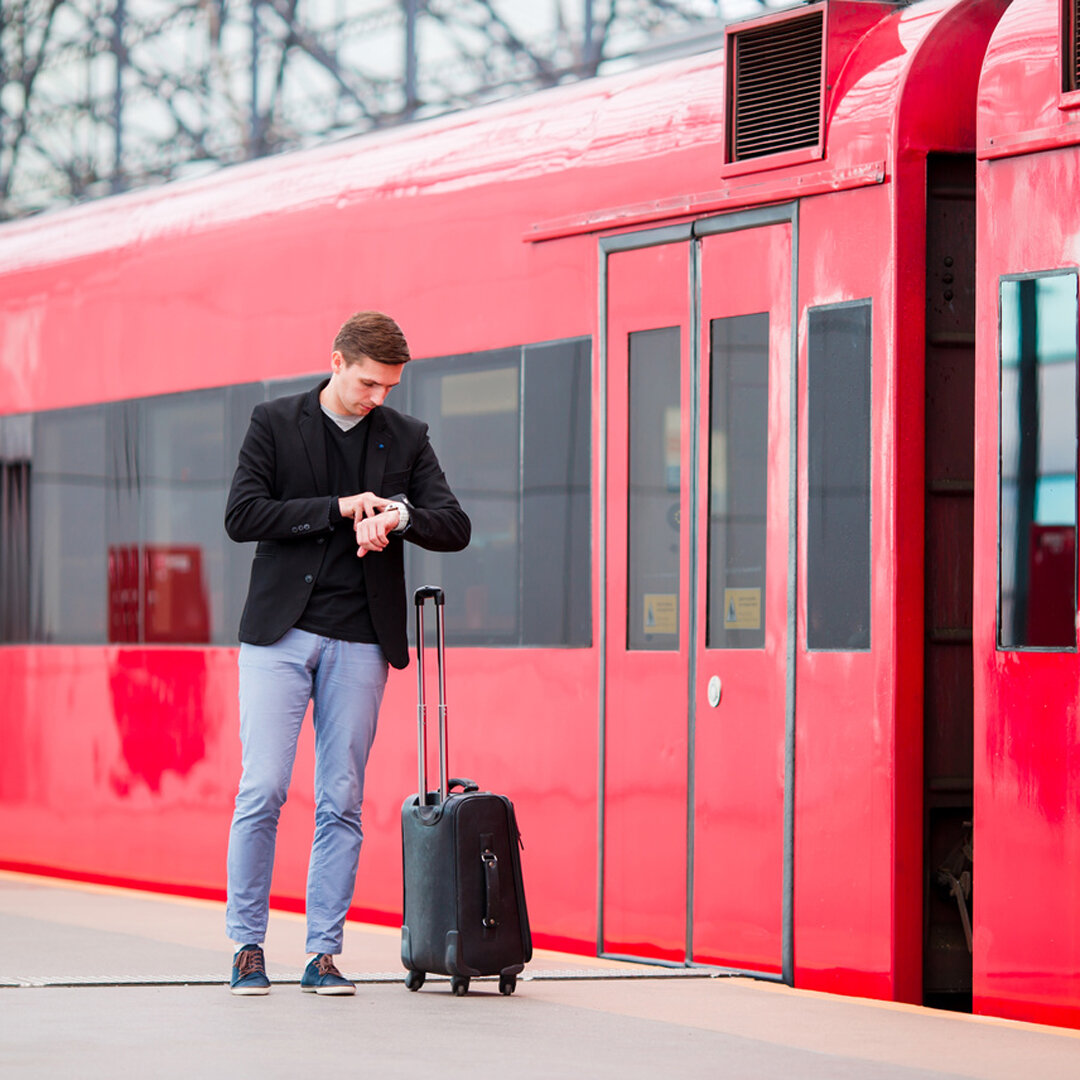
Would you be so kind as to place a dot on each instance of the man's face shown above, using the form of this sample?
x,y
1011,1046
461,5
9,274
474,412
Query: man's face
x,y
361,386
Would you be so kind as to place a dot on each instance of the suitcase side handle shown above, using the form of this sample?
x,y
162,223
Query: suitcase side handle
x,y
492,898
422,594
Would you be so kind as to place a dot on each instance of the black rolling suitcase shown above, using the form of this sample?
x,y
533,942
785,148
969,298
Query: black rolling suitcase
x,y
464,911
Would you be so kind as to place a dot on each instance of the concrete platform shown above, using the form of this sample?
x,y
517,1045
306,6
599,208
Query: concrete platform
x,y
98,982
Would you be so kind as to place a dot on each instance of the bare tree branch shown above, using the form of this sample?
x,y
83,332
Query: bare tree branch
x,y
186,72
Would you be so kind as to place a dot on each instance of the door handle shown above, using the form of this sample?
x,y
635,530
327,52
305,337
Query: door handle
x,y
714,690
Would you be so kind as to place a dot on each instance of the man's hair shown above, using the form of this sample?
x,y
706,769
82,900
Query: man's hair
x,y
374,335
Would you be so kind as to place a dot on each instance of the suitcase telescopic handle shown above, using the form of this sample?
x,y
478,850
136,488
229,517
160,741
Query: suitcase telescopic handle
x,y
422,594
426,591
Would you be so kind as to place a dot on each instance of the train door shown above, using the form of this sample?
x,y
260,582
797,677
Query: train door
x,y
647,626
696,571
742,531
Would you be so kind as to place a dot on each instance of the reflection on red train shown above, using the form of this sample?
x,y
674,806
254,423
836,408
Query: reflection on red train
x,y
760,387
157,594
1052,612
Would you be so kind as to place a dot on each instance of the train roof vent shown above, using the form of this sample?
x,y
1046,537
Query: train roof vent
x,y
776,87
1071,65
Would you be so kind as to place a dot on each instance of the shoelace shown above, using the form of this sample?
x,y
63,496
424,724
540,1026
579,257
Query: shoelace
x,y
327,966
249,961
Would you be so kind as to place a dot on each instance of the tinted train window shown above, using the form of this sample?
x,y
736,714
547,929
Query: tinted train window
x,y
1037,512
52,526
185,478
112,520
111,515
69,486
738,481
556,514
511,428
838,514
652,617
472,408
16,448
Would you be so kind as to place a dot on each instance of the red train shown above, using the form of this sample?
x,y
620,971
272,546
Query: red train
x,y
757,373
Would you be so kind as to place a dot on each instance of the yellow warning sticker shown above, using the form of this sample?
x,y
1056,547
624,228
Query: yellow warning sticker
x,y
661,613
742,609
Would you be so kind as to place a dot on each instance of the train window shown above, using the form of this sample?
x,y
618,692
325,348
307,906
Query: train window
x,y
126,582
68,482
240,400
168,471
1038,448
512,431
111,515
185,476
472,408
16,443
738,478
112,520
556,451
838,512
655,423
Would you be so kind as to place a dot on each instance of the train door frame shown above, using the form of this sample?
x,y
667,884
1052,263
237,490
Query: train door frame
x,y
693,233
948,581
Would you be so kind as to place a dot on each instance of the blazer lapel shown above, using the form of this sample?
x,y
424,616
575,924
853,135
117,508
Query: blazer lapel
x,y
313,435
378,449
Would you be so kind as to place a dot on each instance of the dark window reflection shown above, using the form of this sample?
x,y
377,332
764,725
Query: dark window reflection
x,y
69,478
512,431
1037,543
123,527
556,591
471,406
738,481
652,617
16,448
168,472
239,402
111,515
184,482
838,514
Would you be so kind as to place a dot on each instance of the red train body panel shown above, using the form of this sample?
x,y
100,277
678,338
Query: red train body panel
x,y
768,750
1027,737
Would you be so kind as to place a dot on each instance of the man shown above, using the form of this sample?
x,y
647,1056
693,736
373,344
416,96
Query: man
x,y
330,483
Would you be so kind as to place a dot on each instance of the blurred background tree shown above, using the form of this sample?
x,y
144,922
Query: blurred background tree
x,y
99,96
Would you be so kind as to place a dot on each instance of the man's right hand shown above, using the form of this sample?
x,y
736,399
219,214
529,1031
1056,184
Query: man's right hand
x,y
363,505
373,533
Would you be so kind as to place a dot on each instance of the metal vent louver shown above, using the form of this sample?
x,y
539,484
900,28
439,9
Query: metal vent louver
x,y
776,87
1071,63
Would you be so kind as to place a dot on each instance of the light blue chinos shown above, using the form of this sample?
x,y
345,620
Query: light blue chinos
x,y
346,682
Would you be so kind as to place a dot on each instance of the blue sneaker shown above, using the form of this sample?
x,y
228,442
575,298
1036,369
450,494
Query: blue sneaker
x,y
322,977
249,972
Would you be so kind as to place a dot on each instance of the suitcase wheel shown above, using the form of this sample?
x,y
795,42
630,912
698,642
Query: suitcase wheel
x,y
507,984
414,980
460,985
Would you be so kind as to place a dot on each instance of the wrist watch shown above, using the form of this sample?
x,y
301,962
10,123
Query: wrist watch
x,y
402,506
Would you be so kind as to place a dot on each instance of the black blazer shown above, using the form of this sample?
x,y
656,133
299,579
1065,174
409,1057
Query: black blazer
x,y
280,496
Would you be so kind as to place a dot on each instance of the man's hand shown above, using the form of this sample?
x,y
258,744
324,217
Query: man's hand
x,y
373,532
360,506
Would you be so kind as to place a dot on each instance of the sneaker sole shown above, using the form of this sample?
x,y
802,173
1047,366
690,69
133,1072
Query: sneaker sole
x,y
249,991
330,991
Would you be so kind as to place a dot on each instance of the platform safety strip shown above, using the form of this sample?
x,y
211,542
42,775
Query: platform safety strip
x,y
15,982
